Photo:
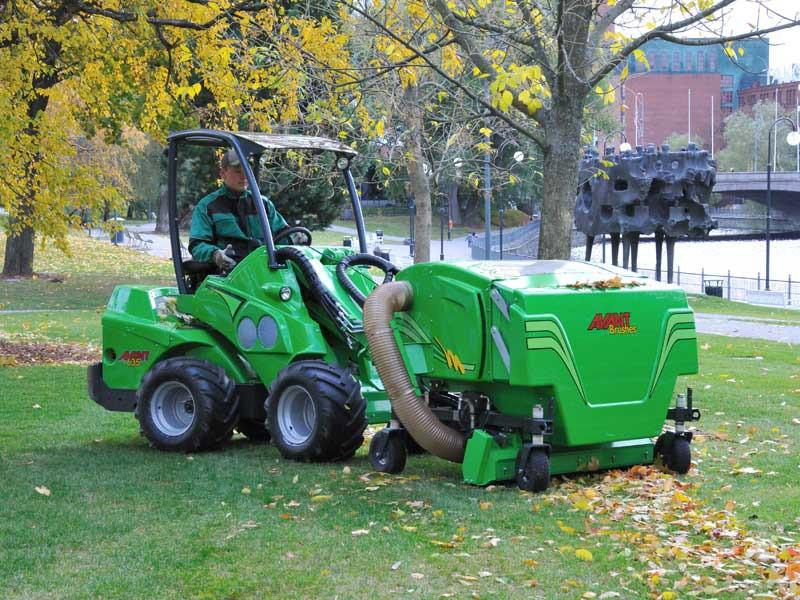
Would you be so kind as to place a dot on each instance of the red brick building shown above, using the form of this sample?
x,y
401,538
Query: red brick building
x,y
785,93
656,105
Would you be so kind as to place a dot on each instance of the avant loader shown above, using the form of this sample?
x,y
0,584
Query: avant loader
x,y
516,370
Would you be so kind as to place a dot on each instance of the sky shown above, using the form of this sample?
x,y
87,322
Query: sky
x,y
784,45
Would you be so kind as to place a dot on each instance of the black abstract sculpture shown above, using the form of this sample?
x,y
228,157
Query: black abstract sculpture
x,y
652,191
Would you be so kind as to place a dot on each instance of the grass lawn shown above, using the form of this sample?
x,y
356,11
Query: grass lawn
x,y
710,304
88,510
124,521
398,226
82,280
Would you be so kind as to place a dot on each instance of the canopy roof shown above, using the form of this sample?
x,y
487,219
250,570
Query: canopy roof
x,y
254,142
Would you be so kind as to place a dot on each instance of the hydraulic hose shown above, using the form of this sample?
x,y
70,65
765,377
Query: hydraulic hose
x,y
429,432
362,259
317,289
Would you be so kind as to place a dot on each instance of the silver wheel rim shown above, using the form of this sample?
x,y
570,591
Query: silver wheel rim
x,y
296,415
172,408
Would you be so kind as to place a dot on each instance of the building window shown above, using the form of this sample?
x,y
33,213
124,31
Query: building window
x,y
701,62
727,81
676,61
712,61
727,96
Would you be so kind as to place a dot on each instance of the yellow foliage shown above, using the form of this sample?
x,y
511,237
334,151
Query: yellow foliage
x,y
58,76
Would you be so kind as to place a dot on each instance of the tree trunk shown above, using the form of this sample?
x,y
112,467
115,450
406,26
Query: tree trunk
x,y
420,187
452,201
19,246
561,167
162,219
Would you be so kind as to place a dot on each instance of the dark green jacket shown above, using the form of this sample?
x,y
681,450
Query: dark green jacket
x,y
223,218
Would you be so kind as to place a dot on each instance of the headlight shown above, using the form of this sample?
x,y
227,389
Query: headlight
x,y
285,293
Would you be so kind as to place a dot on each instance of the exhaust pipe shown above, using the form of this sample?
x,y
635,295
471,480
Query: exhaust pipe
x,y
429,432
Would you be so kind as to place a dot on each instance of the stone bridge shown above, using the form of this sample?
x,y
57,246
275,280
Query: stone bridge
x,y
753,186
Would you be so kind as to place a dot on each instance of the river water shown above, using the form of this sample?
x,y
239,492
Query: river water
x,y
742,258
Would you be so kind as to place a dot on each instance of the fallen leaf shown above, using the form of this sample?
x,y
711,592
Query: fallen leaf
x,y
246,490
417,576
42,490
583,554
484,505
321,498
359,532
396,565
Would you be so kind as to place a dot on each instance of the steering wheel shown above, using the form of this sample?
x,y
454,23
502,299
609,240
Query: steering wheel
x,y
287,231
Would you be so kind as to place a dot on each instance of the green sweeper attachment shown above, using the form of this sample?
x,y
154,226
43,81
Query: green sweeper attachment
x,y
516,370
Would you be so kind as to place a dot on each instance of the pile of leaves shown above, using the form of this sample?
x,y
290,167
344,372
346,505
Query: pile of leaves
x,y
16,353
614,283
678,546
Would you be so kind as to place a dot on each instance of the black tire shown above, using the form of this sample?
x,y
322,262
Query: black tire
x,y
534,475
315,412
255,431
387,451
679,458
185,405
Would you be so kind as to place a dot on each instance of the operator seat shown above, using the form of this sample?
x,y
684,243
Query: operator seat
x,y
194,272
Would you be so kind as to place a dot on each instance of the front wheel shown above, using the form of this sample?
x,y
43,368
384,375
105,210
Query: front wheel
x,y
186,404
315,412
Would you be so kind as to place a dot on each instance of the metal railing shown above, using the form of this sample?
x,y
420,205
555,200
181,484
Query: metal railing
x,y
732,287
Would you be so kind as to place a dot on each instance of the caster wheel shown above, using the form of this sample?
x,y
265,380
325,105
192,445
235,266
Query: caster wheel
x,y
387,451
680,456
534,475
675,452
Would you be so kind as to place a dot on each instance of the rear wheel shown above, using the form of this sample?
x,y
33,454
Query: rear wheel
x,y
315,412
186,404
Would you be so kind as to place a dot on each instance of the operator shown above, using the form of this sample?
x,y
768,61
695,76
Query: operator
x,y
225,225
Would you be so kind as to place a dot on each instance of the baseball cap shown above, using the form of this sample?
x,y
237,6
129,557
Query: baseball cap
x,y
230,159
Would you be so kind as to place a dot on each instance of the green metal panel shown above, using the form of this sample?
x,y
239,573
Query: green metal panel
x,y
486,461
606,456
206,325
601,361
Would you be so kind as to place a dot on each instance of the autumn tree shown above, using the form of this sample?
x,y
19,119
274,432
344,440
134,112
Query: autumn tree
x,y
72,64
544,59
746,143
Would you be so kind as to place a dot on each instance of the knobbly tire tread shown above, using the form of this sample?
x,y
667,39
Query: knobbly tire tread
x,y
216,404
341,411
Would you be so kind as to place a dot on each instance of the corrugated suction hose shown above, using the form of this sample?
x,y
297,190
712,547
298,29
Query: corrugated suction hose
x,y
429,432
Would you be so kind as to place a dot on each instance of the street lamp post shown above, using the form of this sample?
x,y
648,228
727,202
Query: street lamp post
x,y
638,119
441,232
792,139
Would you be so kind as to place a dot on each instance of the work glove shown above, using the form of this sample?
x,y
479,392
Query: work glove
x,y
224,262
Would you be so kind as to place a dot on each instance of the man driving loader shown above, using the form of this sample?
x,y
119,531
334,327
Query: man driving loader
x,y
225,225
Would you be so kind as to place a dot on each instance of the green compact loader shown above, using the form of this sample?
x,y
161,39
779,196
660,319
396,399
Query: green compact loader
x,y
516,370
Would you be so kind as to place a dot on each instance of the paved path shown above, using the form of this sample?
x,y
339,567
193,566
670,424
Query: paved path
x,y
738,326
